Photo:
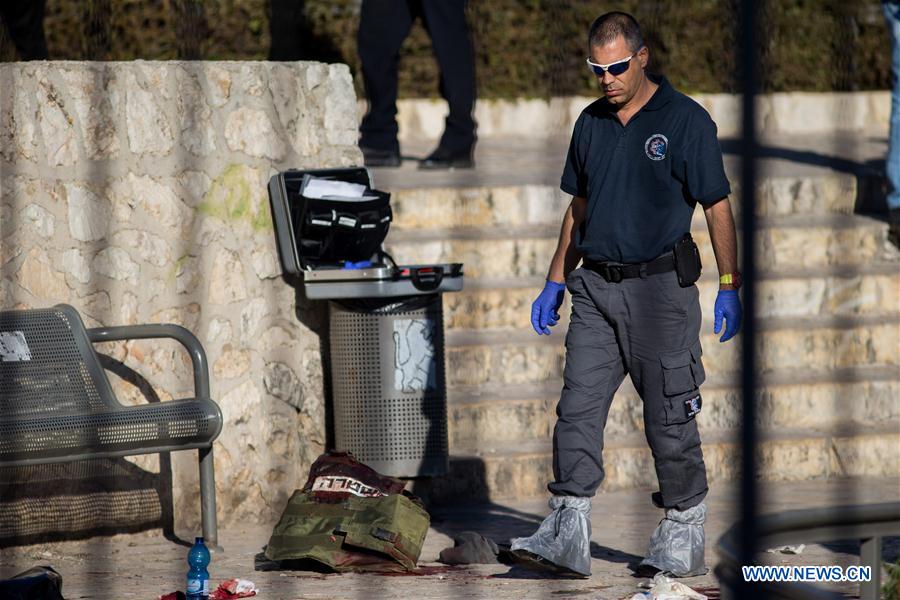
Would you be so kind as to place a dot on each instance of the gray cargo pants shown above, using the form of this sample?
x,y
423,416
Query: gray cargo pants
x,y
649,327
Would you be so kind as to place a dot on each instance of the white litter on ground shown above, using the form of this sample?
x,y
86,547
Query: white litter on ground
x,y
665,588
797,549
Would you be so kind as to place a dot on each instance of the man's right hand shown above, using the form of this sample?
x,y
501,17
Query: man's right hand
x,y
545,310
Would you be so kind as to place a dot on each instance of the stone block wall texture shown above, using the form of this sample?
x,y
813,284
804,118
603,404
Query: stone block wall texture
x,y
136,192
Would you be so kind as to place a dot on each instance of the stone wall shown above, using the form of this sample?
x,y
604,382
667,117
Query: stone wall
x,y
137,193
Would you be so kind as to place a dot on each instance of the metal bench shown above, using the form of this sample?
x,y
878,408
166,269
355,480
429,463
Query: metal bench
x,y
56,404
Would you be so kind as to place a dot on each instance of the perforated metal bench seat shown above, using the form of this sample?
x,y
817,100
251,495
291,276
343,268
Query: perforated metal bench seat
x,y
56,404
131,430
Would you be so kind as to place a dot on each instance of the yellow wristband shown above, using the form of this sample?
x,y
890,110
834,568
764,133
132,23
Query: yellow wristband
x,y
727,279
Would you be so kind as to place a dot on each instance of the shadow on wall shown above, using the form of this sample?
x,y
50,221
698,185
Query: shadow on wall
x,y
79,500
871,185
84,499
313,314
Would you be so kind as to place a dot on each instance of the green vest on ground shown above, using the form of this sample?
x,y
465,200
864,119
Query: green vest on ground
x,y
383,533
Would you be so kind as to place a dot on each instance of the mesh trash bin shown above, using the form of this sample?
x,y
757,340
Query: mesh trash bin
x,y
390,405
386,340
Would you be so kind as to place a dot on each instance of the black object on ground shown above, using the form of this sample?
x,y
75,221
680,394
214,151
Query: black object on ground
x,y
470,548
37,583
534,562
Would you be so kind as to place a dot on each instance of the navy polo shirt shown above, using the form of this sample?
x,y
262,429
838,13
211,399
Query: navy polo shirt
x,y
642,180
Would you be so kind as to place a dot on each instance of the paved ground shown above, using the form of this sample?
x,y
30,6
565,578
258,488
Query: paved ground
x,y
526,160
144,565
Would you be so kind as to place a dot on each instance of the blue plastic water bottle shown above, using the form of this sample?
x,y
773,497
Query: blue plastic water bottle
x,y
198,576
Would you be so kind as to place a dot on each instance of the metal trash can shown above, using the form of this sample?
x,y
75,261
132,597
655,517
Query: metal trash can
x,y
386,340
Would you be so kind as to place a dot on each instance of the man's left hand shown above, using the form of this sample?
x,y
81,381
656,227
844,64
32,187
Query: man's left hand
x,y
728,307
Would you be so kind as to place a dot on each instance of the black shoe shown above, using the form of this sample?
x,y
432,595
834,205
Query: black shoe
x,y
534,562
444,159
645,570
894,227
373,157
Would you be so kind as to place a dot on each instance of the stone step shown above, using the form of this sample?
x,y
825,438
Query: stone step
x,y
786,113
784,243
523,469
518,205
503,357
871,289
480,416
525,159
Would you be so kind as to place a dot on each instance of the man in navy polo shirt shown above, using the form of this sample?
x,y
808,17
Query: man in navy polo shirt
x,y
640,160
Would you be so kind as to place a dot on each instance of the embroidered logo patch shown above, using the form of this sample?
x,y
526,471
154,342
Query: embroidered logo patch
x,y
692,406
655,147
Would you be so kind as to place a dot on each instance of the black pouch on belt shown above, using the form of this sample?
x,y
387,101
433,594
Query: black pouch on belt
x,y
687,261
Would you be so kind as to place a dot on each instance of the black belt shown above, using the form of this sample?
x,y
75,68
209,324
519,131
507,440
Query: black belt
x,y
616,272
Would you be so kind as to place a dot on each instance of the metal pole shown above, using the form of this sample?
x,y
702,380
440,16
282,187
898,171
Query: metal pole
x,y
747,59
208,499
870,555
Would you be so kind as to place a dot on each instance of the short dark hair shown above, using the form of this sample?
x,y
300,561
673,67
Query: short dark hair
x,y
606,28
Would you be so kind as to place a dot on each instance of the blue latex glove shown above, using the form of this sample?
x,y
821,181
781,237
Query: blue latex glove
x,y
545,310
728,307
363,264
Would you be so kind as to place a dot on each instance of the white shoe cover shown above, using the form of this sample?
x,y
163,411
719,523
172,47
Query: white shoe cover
x,y
678,544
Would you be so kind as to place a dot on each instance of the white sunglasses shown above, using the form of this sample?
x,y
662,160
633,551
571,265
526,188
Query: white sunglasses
x,y
615,68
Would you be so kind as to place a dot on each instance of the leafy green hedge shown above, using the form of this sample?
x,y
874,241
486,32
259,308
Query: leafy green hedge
x,y
524,48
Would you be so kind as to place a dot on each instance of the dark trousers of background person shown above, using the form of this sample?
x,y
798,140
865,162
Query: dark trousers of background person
x,y
25,21
383,26
286,24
